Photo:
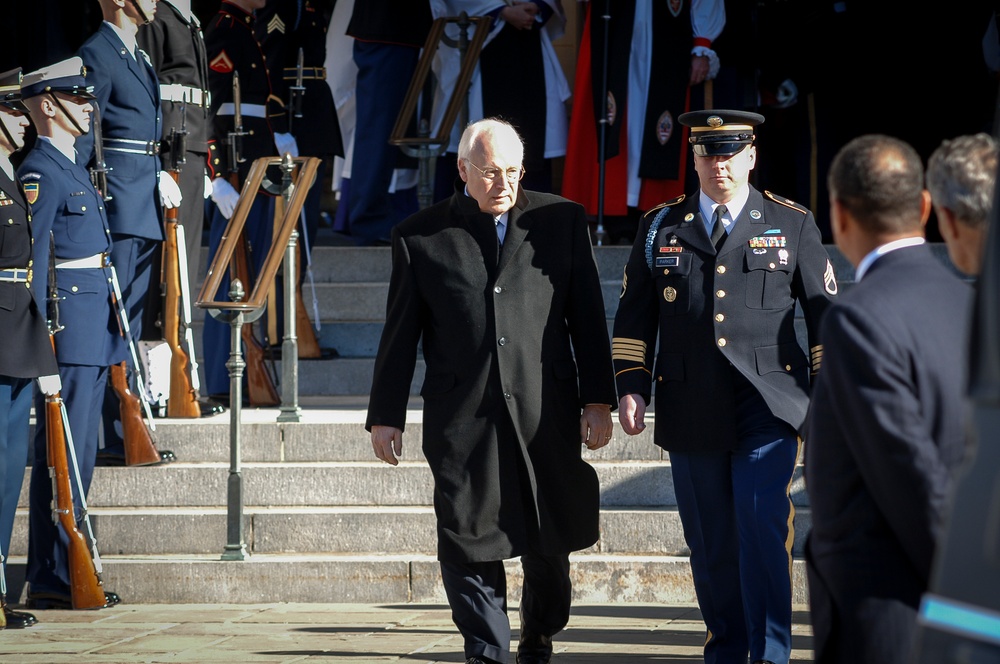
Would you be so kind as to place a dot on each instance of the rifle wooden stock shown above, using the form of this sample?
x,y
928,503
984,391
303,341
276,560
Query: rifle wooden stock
x,y
308,344
260,388
86,589
139,447
183,400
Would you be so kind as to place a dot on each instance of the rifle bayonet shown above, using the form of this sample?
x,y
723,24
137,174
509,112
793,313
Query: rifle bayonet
x,y
99,171
298,91
236,135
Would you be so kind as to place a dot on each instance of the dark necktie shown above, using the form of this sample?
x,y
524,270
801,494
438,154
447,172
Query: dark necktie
x,y
718,228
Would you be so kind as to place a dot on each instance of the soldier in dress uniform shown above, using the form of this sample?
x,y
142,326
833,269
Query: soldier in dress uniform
x,y
27,353
128,98
65,204
233,48
283,28
176,48
732,381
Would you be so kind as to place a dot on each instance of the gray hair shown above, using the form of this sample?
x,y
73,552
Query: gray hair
x,y
489,129
961,175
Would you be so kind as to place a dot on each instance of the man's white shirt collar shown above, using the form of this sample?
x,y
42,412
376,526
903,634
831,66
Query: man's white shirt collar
x,y
733,208
880,251
127,40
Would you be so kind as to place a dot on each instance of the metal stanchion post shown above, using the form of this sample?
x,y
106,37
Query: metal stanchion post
x,y
235,544
289,410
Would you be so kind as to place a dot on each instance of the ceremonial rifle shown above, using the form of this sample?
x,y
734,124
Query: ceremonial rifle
x,y
297,92
99,171
183,398
261,390
139,449
137,437
86,591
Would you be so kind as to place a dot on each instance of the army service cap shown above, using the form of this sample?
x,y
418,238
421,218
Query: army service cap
x,y
10,90
720,133
68,76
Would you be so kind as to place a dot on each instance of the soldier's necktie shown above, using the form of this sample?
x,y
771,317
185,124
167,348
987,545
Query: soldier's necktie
x,y
718,228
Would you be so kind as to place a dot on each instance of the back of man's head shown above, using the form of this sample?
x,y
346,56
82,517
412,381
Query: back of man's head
x,y
879,180
961,176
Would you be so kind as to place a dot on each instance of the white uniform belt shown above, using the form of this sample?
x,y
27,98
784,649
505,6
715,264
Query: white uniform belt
x,y
250,110
97,260
132,146
16,275
185,93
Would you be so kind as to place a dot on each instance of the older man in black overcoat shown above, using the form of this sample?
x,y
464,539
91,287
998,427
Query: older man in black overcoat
x,y
501,288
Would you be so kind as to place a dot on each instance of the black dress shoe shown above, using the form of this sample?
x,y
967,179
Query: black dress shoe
x,y
58,601
210,407
114,459
534,648
18,619
480,660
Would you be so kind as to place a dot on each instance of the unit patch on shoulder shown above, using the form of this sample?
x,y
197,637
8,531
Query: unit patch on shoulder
x,y
830,279
31,192
221,63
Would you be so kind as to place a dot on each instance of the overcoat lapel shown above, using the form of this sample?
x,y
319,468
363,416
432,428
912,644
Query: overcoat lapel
x,y
517,228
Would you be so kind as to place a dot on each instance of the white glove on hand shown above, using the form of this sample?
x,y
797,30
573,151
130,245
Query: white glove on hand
x,y
170,193
208,186
49,385
225,196
286,143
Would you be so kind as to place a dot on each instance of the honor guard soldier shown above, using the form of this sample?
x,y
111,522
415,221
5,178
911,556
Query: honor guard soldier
x,y
233,50
293,36
176,48
69,213
28,353
128,103
717,277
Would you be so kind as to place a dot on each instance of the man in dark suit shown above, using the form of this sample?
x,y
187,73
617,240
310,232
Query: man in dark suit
x,y
718,277
887,424
65,204
518,377
128,98
27,351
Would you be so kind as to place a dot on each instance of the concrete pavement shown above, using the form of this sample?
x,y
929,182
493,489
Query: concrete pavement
x,y
349,634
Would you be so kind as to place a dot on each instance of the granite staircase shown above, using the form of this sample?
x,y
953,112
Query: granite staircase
x,y
324,521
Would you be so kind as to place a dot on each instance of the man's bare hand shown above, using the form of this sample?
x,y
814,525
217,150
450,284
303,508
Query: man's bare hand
x,y
596,425
520,15
631,413
387,443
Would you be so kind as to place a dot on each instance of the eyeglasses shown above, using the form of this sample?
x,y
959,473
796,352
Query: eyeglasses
x,y
512,175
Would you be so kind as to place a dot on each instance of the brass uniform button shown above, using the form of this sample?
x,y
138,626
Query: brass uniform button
x,y
722,342
720,293
721,269
720,317
669,293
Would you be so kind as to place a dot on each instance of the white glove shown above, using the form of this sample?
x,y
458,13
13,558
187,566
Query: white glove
x,y
286,143
49,385
225,196
208,186
170,193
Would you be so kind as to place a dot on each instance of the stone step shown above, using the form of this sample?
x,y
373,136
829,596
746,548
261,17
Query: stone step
x,y
368,578
145,531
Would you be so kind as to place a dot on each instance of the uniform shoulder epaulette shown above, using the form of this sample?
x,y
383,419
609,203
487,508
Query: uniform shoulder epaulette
x,y
654,210
787,202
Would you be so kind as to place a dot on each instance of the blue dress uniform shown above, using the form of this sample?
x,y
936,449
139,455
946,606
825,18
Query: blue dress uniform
x,y
732,389
65,203
28,352
128,97
232,47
